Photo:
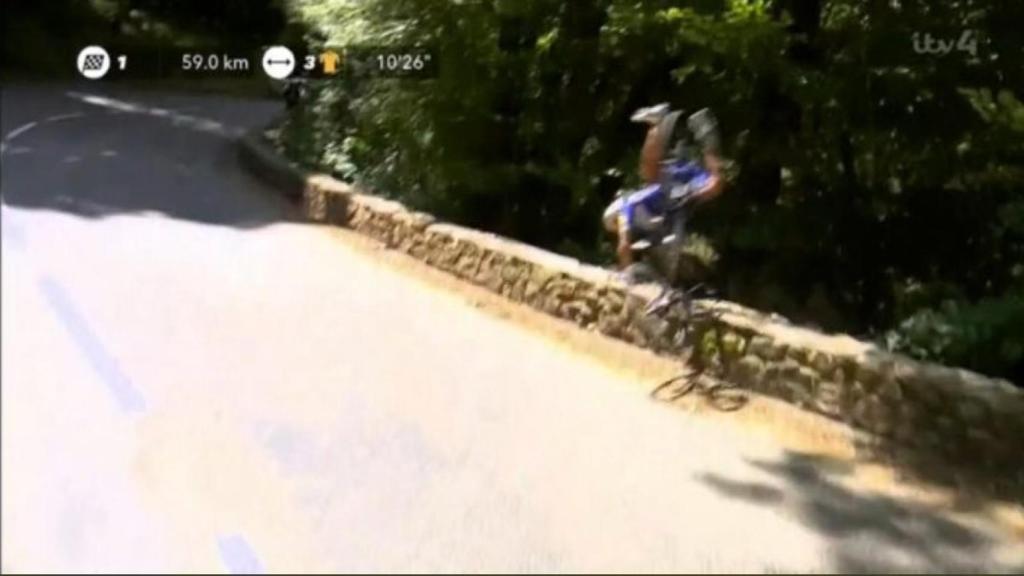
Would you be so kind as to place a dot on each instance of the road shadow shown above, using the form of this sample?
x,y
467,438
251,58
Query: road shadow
x,y
868,532
927,437
102,156
974,483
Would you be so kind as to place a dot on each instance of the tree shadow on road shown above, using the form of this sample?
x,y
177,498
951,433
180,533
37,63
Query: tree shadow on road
x,y
868,532
106,157
974,480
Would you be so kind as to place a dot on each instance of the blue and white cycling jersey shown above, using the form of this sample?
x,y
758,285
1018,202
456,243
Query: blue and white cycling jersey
x,y
652,200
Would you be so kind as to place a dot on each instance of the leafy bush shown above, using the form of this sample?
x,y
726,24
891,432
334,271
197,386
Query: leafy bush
x,y
862,167
987,336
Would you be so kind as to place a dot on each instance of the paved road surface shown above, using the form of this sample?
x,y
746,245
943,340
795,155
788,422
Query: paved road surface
x,y
192,382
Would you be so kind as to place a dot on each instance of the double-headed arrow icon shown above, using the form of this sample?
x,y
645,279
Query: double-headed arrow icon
x,y
278,62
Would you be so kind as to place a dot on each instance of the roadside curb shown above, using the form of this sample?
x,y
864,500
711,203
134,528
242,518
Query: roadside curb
x,y
259,157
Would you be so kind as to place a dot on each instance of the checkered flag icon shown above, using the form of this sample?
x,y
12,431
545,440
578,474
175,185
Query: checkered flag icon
x,y
93,62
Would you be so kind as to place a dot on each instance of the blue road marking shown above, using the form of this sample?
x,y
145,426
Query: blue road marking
x,y
105,366
238,556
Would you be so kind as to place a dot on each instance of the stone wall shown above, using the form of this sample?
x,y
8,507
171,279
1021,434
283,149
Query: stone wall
x,y
959,415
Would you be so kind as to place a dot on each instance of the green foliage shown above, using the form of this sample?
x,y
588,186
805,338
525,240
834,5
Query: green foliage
x,y
871,182
987,336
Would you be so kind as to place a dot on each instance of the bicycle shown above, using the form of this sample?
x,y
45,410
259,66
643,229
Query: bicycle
x,y
688,334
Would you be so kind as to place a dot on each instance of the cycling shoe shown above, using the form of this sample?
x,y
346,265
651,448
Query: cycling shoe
x,y
650,115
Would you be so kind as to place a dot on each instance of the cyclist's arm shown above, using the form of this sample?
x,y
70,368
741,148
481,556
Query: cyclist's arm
x,y
715,184
624,249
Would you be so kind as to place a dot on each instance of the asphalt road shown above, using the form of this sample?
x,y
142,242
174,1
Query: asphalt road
x,y
191,381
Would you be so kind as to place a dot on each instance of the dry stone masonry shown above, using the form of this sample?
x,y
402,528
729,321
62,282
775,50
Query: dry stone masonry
x,y
960,415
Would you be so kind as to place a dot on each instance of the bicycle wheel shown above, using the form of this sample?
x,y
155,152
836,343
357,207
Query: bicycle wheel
x,y
689,384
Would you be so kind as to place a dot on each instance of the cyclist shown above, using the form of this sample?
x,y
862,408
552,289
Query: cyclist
x,y
668,175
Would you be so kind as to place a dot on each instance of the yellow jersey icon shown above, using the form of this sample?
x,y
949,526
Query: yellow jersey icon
x,y
331,62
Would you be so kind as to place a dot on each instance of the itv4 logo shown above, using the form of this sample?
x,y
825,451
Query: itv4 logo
x,y
927,44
